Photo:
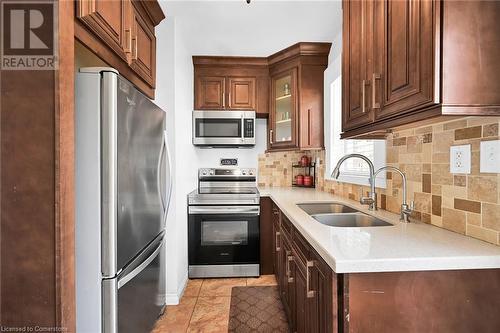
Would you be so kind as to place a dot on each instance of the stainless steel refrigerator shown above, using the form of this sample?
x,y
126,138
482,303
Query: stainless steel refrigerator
x,y
123,185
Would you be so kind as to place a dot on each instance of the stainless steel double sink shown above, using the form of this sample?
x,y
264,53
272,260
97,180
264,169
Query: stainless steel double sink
x,y
335,214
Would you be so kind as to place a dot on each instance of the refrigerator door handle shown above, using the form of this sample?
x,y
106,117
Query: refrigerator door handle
x,y
170,174
158,172
123,280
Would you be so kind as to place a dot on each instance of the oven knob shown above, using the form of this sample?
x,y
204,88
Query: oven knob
x,y
204,172
251,172
211,172
244,172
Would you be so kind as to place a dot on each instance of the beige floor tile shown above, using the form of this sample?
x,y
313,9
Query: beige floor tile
x,y
220,287
193,287
177,317
263,280
211,314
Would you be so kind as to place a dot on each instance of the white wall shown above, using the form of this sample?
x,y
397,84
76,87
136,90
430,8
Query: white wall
x,y
219,28
333,72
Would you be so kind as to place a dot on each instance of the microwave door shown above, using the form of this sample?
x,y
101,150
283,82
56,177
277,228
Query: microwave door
x,y
223,128
217,131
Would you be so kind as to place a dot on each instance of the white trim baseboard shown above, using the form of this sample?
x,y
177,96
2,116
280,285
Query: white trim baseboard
x,y
174,298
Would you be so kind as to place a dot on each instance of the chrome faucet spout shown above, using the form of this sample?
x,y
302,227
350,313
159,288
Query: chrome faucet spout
x,y
372,199
405,209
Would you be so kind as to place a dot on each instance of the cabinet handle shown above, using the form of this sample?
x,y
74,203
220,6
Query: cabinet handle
x,y
308,127
271,136
310,293
278,248
288,259
375,77
229,99
128,40
134,48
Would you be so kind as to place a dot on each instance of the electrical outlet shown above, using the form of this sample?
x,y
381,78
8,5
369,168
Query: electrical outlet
x,y
490,156
460,159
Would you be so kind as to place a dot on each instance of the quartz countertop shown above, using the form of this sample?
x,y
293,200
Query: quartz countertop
x,y
411,246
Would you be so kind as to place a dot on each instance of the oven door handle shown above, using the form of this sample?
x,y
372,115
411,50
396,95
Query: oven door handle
x,y
248,210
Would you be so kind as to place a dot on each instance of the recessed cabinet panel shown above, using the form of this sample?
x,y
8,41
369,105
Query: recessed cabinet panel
x,y
105,18
241,93
406,46
357,62
210,93
143,47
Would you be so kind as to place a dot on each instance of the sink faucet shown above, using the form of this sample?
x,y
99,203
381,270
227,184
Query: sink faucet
x,y
371,200
405,209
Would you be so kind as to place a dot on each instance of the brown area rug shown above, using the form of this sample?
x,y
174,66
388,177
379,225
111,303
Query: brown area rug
x,y
257,309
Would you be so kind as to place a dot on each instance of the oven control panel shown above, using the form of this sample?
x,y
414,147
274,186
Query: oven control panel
x,y
203,172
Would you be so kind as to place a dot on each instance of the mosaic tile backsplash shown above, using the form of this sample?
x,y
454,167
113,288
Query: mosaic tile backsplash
x,y
467,204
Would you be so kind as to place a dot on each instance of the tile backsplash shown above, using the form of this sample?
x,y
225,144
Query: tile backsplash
x,y
467,204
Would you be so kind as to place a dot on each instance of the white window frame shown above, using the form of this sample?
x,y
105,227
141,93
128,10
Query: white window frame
x,y
336,148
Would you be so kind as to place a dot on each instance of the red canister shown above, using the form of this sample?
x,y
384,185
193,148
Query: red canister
x,y
299,180
304,160
308,180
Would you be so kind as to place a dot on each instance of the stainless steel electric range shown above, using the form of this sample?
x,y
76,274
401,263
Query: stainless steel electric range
x,y
223,224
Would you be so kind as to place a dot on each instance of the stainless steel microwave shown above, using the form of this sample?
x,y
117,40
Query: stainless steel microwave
x,y
224,128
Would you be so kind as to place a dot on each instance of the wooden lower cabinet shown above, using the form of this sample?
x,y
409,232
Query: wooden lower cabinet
x,y
305,281
316,299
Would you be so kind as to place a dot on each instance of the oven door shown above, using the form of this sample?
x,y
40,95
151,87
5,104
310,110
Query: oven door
x,y
223,235
224,128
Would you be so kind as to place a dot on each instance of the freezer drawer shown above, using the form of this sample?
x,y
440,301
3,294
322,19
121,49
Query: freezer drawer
x,y
133,301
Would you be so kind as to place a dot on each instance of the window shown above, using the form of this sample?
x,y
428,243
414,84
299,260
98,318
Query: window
x,y
353,170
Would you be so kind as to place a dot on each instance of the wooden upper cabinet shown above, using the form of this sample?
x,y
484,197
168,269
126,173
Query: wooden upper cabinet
x,y
121,33
357,63
283,112
408,61
143,48
210,93
231,83
297,96
241,93
403,77
105,19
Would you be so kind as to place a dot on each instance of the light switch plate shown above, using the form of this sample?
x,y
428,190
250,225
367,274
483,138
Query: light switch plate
x,y
460,159
490,156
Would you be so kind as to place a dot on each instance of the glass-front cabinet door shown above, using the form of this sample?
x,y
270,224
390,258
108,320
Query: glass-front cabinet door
x,y
282,131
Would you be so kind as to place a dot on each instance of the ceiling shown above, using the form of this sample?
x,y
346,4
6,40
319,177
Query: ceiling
x,y
233,27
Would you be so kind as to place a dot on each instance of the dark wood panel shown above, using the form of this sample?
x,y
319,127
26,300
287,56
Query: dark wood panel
x,y
266,237
37,238
311,127
143,46
107,55
28,199
302,324
241,93
406,46
105,19
471,43
356,62
248,74
434,301
64,172
210,93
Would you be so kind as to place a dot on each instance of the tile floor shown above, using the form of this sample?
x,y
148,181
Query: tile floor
x,y
204,307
